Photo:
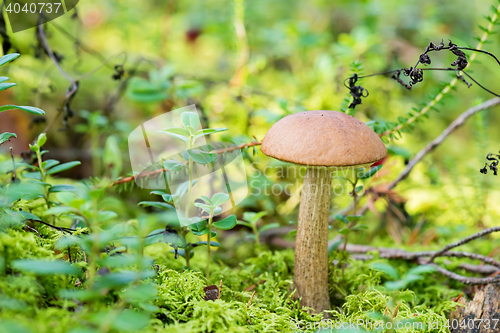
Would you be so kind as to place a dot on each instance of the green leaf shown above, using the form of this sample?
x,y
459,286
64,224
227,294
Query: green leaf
x,y
130,321
227,223
62,188
112,156
7,85
30,109
68,240
8,57
204,232
81,295
269,226
219,198
190,119
3,79
201,157
246,224
142,90
123,278
49,164
6,136
177,136
198,226
371,172
106,215
42,138
344,231
20,191
205,207
157,204
159,192
341,218
63,167
58,210
29,216
208,131
167,197
334,246
178,131
409,278
395,285
155,236
144,292
207,200
182,253
423,269
360,227
376,316
33,175
212,243
173,165
256,218
44,267
353,218
8,303
387,269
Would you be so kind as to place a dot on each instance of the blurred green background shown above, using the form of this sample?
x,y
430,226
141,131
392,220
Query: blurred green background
x,y
290,56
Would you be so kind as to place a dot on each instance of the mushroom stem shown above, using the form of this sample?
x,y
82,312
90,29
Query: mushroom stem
x,y
311,251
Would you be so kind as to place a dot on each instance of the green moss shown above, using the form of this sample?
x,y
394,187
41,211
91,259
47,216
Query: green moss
x,y
179,306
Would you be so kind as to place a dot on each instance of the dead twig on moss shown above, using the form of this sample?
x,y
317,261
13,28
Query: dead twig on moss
x,y
251,298
421,258
463,241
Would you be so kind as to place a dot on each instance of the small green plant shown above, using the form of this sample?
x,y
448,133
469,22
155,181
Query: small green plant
x,y
46,168
351,221
212,206
189,134
397,284
6,136
251,220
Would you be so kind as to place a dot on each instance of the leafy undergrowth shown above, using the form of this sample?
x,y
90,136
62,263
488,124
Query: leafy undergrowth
x,y
173,299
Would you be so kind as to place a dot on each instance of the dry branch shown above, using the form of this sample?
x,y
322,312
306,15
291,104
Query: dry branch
x,y
431,146
156,172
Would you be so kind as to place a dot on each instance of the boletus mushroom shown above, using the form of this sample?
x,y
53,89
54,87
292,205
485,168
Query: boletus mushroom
x,y
325,142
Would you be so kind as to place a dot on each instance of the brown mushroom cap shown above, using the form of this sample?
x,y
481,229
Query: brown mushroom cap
x,y
323,138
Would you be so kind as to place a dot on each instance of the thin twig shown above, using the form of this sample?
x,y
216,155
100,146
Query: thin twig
x,y
251,298
156,172
452,83
74,85
464,241
388,253
41,32
244,145
92,71
78,43
436,142
113,99
465,279
14,174
419,257
431,146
